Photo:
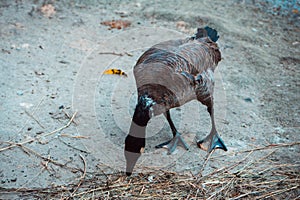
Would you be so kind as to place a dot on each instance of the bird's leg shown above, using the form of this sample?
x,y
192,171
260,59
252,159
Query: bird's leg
x,y
177,139
213,140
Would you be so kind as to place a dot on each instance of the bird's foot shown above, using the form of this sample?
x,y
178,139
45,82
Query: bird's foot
x,y
211,142
172,144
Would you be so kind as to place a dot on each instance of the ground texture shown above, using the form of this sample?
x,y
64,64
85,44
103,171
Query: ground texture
x,y
63,123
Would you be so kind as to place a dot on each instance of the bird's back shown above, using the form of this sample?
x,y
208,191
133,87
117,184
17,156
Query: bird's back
x,y
158,71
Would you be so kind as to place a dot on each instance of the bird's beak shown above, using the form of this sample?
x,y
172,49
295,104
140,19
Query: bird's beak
x,y
131,159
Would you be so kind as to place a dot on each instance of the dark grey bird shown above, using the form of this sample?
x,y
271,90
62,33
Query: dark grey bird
x,y
168,75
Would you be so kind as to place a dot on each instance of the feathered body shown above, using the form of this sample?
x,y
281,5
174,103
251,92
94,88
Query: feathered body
x,y
177,71
169,75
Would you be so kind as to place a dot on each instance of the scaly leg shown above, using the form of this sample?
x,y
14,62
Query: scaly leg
x,y
213,140
177,139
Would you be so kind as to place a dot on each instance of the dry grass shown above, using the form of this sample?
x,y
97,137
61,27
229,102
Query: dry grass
x,y
248,178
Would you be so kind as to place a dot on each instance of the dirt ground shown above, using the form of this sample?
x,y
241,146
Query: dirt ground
x,y
60,116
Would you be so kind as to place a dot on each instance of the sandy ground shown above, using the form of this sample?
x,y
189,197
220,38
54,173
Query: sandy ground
x,y
52,62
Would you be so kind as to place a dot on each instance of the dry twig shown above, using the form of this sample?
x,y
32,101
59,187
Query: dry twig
x,y
82,177
249,178
12,144
117,54
33,112
35,119
63,127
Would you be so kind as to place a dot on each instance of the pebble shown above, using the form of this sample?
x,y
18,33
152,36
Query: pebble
x,y
26,105
39,133
13,180
244,125
122,13
279,130
25,46
20,93
248,99
150,178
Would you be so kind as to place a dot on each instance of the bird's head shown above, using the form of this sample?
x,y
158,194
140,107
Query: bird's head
x,y
135,141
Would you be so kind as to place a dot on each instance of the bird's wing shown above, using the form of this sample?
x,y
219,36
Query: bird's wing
x,y
172,67
161,50
187,55
163,84
201,54
204,86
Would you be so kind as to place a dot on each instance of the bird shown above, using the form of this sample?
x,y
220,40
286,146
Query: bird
x,y
168,75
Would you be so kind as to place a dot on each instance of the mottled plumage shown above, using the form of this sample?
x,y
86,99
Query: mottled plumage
x,y
159,72
169,75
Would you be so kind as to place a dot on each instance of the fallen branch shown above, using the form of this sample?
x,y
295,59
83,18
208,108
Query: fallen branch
x,y
37,121
81,150
76,136
32,114
15,144
248,178
48,159
116,54
276,192
82,177
224,168
206,161
70,117
270,146
33,139
223,184
61,128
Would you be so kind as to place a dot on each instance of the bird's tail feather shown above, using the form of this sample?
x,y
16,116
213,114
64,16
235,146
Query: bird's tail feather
x,y
207,32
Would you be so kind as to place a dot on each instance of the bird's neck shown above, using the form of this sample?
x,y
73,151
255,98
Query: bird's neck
x,y
142,112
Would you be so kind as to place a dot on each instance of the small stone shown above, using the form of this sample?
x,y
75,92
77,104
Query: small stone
x,y
20,93
122,13
150,178
248,99
39,73
279,130
26,105
64,62
25,46
13,180
244,125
